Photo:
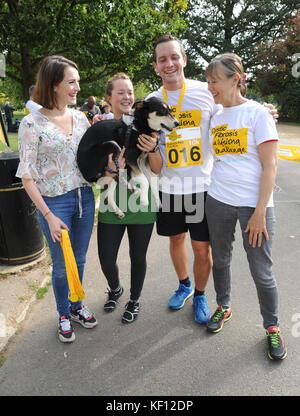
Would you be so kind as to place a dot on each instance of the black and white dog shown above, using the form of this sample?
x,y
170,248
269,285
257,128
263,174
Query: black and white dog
x,y
109,136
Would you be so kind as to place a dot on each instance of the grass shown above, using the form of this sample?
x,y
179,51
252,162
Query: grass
x,y
41,292
2,360
13,137
289,123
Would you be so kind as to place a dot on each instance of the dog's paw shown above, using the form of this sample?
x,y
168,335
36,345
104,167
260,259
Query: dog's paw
x,y
120,214
135,190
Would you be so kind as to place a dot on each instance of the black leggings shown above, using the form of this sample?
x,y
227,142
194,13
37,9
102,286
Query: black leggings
x,y
109,240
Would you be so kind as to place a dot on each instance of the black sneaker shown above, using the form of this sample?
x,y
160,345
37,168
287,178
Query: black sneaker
x,y
131,312
216,322
65,330
277,349
84,317
113,296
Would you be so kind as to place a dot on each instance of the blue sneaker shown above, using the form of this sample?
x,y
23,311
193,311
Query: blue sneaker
x,y
201,310
180,296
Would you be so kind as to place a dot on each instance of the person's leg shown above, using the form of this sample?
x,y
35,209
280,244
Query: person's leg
x,y
171,223
63,207
202,269
179,255
139,237
221,220
195,218
202,263
81,229
260,263
109,240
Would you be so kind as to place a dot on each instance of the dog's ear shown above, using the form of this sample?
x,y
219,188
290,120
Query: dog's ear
x,y
139,104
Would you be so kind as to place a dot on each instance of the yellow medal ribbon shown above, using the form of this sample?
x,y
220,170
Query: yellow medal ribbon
x,y
188,150
181,96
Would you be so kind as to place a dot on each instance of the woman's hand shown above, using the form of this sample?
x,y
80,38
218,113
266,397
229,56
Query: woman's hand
x,y
257,228
147,143
272,110
98,117
55,226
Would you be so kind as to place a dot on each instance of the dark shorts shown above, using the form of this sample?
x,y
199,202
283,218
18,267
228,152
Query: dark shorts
x,y
182,213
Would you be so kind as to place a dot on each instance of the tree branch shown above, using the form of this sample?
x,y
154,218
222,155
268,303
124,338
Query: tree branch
x,y
14,77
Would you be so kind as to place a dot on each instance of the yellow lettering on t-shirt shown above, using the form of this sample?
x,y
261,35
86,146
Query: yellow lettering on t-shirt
x,y
232,141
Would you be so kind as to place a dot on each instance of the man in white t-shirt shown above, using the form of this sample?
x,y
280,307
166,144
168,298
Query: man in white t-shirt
x,y
31,106
185,174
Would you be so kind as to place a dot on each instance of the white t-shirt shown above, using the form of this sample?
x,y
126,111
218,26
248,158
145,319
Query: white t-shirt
x,y
108,115
31,106
187,161
236,132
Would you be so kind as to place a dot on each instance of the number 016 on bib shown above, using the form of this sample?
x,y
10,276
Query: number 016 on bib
x,y
186,150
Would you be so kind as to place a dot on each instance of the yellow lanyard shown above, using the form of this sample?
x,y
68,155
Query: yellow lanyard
x,y
181,96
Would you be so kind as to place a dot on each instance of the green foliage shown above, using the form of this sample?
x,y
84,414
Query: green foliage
x,y
238,26
101,36
278,74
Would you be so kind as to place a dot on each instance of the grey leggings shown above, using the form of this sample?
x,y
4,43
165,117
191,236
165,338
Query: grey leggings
x,y
222,219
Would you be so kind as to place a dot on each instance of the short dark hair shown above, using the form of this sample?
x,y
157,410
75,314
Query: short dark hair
x,y
50,74
167,38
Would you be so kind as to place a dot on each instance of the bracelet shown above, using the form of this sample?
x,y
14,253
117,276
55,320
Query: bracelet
x,y
48,212
155,149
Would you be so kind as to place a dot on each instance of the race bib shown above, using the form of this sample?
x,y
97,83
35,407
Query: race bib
x,y
183,144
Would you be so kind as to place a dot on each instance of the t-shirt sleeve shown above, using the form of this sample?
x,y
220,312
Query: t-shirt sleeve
x,y
28,142
264,127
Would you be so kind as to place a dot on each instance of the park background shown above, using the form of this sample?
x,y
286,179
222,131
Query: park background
x,y
105,37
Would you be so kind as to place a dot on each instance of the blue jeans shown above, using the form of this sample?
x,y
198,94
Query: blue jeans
x,y
222,219
76,209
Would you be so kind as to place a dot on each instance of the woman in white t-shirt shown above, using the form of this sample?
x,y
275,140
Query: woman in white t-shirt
x,y
243,140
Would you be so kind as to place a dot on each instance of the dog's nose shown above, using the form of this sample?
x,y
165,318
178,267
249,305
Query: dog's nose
x,y
176,123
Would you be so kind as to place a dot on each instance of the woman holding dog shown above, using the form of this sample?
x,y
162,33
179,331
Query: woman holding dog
x,y
48,142
244,143
138,221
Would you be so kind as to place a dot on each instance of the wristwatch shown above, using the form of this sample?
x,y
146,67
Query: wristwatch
x,y
154,150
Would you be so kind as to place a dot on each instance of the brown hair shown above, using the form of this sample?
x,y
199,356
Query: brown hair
x,y
50,74
110,82
231,64
167,38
